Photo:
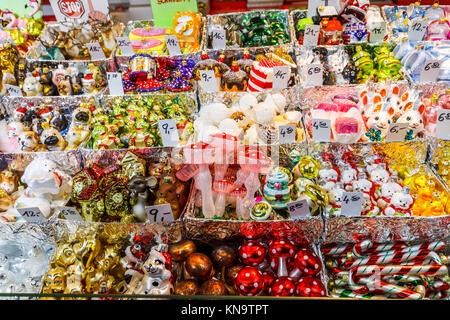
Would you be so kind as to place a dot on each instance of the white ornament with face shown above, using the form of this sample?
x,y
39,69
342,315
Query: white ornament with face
x,y
348,176
379,176
379,121
414,119
400,204
156,276
15,128
387,191
363,185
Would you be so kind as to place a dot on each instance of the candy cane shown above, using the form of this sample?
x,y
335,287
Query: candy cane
x,y
343,293
428,270
336,250
394,258
390,289
361,247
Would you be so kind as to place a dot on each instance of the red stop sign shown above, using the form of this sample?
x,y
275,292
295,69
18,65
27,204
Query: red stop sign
x,y
71,8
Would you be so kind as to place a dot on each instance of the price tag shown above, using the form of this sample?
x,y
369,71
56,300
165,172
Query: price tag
x,y
169,132
397,132
430,71
14,91
96,51
352,204
321,130
298,209
281,76
314,74
125,46
172,45
417,29
70,213
377,31
286,133
311,35
219,39
32,214
314,4
208,81
443,124
326,11
115,83
159,213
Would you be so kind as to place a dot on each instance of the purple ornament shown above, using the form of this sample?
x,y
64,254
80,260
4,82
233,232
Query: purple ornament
x,y
178,84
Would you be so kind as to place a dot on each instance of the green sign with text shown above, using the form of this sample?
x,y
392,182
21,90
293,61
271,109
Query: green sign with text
x,y
164,10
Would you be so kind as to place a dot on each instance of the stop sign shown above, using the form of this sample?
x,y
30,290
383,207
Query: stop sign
x,y
71,8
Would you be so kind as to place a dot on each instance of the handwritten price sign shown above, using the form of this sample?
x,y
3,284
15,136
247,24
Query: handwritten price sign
x,y
443,124
397,132
70,213
287,133
115,83
281,76
417,29
172,45
314,74
159,213
208,81
125,46
169,132
219,39
96,51
311,35
298,209
377,31
32,214
352,204
430,72
321,130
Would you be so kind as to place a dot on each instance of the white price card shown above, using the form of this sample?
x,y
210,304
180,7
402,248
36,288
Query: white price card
x,y
169,132
70,213
314,4
13,91
159,213
417,29
115,84
430,71
314,74
311,35
32,214
443,124
125,46
281,76
397,132
172,45
352,204
298,209
219,38
286,134
208,81
321,130
377,31
96,51
326,11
